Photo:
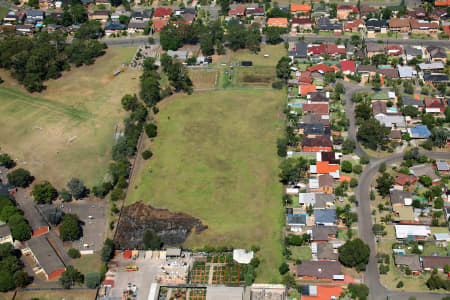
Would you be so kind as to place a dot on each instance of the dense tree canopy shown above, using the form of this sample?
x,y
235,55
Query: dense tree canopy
x,y
354,253
71,277
20,178
70,228
283,68
384,183
77,188
44,192
6,161
371,133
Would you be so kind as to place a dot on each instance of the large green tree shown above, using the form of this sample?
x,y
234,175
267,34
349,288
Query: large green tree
x,y
71,277
44,192
354,253
70,229
283,68
384,184
20,178
371,133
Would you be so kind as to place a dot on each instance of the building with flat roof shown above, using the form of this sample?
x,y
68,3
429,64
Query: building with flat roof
x,y
224,293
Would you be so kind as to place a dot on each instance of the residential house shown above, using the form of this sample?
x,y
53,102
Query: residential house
x,y
326,252
321,234
394,50
406,72
324,167
299,51
345,11
237,12
336,50
408,101
57,15
419,132
435,53
376,26
425,27
277,22
325,217
434,105
158,25
430,263
24,29
318,97
162,13
442,166
322,184
412,232
255,11
374,49
365,10
305,89
410,261
178,54
425,170
395,135
325,24
354,25
313,130
399,25
435,78
46,260
296,222
301,9
367,71
303,77
113,27
316,200
99,15
388,73
383,96
315,109
405,180
317,144
37,15
333,158
5,234
143,16
317,50
314,270
321,68
321,292
412,52
301,24
432,67
347,67
137,26
14,16
392,121
400,198
313,119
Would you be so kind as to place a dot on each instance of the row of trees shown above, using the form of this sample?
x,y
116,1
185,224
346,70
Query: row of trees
x,y
11,274
13,216
33,60
212,37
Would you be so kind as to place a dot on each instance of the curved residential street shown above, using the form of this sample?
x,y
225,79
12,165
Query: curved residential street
x,y
371,276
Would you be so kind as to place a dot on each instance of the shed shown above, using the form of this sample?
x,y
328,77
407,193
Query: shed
x,y
173,252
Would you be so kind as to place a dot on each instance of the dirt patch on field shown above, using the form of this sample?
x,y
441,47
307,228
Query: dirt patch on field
x,y
172,227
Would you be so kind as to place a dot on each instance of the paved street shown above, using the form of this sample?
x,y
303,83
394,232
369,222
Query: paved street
x,y
371,276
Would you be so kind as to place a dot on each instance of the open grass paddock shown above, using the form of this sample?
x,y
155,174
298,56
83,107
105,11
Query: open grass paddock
x,y
67,130
215,158
57,295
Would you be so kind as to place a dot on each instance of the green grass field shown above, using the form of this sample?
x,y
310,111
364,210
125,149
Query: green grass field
x,y
3,11
87,263
67,130
215,158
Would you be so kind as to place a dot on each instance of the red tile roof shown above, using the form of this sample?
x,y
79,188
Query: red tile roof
x,y
336,49
325,292
401,179
304,89
441,3
300,7
317,109
324,68
238,11
348,25
301,21
317,49
324,167
162,12
394,50
348,65
305,77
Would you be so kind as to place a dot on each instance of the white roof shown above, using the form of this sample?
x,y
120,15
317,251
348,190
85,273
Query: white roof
x,y
390,121
290,191
152,293
432,66
442,236
242,256
406,71
307,198
403,231
313,169
391,95
314,183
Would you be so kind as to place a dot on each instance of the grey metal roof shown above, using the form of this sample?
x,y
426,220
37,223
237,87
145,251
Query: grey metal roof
x,y
45,254
325,216
4,230
442,165
410,260
299,219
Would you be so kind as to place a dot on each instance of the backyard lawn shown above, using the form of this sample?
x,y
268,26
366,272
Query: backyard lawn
x,y
215,158
3,11
302,253
67,130
59,294
87,263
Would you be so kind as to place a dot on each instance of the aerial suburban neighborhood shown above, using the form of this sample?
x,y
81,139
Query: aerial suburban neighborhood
x,y
220,150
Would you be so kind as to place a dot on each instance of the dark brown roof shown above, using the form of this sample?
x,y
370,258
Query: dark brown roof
x,y
319,141
330,157
435,261
319,269
326,180
321,233
397,23
395,134
379,107
389,73
367,68
313,119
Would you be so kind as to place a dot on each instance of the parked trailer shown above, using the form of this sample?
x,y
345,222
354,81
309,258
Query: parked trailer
x,y
117,72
